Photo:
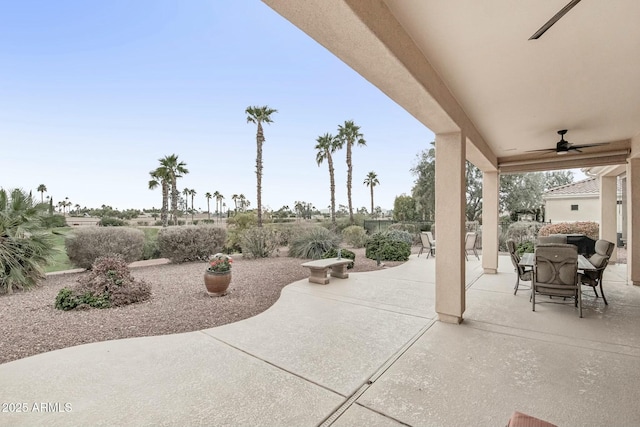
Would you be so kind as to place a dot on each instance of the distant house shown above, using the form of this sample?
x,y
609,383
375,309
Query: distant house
x,y
578,201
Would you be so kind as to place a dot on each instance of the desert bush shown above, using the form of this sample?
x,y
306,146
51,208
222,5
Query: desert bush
x,y
588,228
208,221
259,242
286,232
85,245
344,253
237,225
313,243
399,235
355,236
110,284
112,222
191,242
413,229
523,231
143,223
388,246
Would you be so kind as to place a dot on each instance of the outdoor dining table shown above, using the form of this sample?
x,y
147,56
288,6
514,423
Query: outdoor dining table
x,y
529,260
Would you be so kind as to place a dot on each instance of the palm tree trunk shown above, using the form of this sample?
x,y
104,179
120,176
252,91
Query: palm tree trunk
x,y
164,214
371,199
333,189
208,209
349,170
174,200
259,140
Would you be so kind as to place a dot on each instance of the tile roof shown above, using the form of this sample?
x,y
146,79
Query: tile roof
x,y
587,186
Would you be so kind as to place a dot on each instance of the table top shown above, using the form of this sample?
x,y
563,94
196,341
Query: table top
x,y
529,260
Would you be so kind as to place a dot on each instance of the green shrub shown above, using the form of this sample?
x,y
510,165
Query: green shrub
x,y
143,223
286,232
53,221
85,245
259,242
151,249
588,228
313,243
110,284
344,253
191,242
112,222
523,247
387,247
208,221
355,236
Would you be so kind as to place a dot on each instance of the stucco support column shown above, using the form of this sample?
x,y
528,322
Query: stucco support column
x,y
490,208
450,218
633,220
609,211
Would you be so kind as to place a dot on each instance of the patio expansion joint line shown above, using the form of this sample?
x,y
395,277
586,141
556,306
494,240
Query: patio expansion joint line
x,y
473,281
595,345
335,415
280,368
375,306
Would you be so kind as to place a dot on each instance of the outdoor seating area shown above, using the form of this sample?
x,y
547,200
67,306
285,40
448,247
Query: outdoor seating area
x,y
557,269
366,350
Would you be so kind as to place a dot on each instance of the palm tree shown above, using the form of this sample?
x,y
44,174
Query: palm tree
x,y
25,246
371,181
208,196
42,189
235,199
192,192
243,202
327,145
186,193
349,134
160,177
216,196
176,169
259,115
219,198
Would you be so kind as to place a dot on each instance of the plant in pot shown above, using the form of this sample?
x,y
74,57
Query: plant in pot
x,y
218,275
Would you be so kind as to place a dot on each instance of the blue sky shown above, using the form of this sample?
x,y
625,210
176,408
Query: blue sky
x,y
92,94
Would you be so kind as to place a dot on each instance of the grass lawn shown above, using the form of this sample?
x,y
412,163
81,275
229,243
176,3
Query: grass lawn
x,y
60,260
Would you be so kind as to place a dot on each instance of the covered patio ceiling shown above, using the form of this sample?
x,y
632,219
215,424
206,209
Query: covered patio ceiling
x,y
469,66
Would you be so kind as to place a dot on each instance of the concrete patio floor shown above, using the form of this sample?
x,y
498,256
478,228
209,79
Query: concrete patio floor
x,y
366,350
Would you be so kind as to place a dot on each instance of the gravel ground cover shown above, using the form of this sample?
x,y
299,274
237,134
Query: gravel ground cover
x,y
31,325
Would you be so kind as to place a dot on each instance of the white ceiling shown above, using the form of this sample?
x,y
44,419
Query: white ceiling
x,y
468,65
583,74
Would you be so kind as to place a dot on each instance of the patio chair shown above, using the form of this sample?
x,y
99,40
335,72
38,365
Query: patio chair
x,y
523,273
556,273
470,241
600,260
427,243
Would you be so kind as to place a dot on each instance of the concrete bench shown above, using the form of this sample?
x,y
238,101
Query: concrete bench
x,y
320,267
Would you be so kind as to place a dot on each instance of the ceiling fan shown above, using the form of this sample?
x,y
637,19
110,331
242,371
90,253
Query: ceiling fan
x,y
563,146
554,19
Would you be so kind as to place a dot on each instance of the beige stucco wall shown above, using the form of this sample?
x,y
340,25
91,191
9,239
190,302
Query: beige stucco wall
x,y
559,210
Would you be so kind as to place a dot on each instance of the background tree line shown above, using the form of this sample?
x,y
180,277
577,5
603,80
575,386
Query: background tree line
x,y
519,193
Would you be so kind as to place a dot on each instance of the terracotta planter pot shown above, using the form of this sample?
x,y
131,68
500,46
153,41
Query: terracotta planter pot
x,y
217,283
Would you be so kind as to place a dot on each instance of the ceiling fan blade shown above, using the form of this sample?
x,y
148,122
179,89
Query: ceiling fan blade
x,y
550,150
588,145
554,19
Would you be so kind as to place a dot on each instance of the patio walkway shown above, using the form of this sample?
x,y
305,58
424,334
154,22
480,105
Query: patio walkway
x,y
360,351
